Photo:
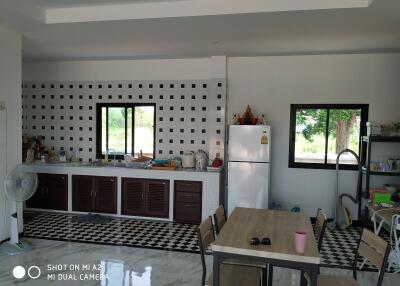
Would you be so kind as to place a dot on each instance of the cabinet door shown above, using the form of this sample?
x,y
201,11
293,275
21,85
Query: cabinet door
x,y
57,192
38,200
187,212
83,193
133,196
188,201
106,195
157,198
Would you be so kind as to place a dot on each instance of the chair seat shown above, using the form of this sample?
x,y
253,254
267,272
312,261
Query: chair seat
x,y
326,280
244,263
235,275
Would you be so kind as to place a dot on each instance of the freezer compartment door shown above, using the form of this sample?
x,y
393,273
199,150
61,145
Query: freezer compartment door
x,y
249,143
248,185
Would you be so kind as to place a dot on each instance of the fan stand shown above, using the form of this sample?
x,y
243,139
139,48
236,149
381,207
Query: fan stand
x,y
15,246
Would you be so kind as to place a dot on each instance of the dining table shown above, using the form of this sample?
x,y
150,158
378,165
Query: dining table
x,y
233,242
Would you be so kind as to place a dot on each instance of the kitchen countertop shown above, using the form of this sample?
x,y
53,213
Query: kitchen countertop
x,y
89,165
211,181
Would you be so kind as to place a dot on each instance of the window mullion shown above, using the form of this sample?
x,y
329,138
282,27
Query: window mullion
x,y
126,130
106,130
326,136
133,130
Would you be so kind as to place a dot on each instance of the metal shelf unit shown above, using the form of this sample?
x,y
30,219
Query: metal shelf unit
x,y
366,146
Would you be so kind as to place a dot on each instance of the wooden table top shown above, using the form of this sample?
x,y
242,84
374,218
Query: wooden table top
x,y
279,226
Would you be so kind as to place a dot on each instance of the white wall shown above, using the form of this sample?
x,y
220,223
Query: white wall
x,y
271,84
10,96
169,69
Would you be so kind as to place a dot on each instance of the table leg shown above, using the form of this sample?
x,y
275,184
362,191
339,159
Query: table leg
x,y
264,276
270,274
314,275
216,262
303,280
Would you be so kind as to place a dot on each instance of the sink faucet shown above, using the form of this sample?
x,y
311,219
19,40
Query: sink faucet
x,y
114,152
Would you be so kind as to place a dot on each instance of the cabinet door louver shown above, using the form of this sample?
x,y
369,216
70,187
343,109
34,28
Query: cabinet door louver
x,y
106,195
133,196
38,200
157,198
57,192
82,193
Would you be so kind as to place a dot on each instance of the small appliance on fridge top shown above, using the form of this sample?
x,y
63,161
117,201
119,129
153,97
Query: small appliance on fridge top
x,y
249,151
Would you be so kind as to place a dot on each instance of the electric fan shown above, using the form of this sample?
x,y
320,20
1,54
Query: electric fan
x,y
19,186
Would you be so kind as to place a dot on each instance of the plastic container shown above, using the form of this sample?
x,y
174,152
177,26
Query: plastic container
x,y
300,241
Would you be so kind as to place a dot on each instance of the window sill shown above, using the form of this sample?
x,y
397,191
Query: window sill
x,y
322,166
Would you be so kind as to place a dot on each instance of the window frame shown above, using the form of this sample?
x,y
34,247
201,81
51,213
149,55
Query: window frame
x,y
99,106
292,134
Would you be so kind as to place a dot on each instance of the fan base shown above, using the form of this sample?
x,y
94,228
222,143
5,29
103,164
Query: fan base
x,y
15,248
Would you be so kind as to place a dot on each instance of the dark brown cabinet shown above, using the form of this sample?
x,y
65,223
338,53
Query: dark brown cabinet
x,y
52,193
157,198
187,201
143,197
94,194
133,197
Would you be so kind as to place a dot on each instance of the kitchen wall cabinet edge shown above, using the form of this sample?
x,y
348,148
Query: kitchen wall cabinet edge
x,y
212,184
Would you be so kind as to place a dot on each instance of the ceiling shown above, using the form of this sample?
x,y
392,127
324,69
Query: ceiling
x,y
82,3
282,30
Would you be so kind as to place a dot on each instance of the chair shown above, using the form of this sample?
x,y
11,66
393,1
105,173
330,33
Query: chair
x,y
370,246
319,232
319,228
230,275
219,218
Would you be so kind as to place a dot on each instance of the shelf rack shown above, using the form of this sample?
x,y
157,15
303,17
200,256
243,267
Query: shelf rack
x,y
366,147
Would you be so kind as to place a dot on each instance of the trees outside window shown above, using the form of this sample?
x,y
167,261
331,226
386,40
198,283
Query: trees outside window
x,y
125,129
318,132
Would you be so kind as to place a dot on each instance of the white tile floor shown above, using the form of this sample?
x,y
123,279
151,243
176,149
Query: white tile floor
x,y
131,266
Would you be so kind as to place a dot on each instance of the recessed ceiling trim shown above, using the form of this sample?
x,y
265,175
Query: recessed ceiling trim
x,y
169,9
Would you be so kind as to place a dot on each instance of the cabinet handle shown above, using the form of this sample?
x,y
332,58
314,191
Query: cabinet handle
x,y
47,190
112,180
142,196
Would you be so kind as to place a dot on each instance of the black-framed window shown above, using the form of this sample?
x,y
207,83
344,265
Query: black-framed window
x,y
318,132
125,129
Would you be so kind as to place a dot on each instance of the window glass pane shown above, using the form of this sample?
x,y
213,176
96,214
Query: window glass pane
x,y
116,130
144,130
103,130
129,131
310,135
344,133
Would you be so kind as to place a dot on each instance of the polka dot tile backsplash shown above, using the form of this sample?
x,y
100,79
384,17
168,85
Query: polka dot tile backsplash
x,y
190,115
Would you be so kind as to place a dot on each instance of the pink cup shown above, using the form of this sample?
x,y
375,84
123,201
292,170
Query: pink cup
x,y
300,239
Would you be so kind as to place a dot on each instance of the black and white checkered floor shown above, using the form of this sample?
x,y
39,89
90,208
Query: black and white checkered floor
x,y
337,250
119,231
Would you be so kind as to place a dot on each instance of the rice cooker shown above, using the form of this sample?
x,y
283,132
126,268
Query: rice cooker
x,y
188,160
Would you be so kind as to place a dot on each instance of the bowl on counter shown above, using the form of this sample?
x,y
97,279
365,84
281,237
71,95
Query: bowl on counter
x,y
160,161
137,165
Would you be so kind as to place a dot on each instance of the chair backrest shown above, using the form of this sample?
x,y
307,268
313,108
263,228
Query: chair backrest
x,y
319,227
375,249
205,235
219,218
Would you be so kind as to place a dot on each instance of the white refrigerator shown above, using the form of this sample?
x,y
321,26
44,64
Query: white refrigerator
x,y
249,150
